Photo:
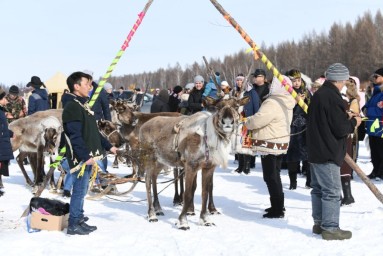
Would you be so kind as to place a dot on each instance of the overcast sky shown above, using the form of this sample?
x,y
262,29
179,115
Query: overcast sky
x,y
41,37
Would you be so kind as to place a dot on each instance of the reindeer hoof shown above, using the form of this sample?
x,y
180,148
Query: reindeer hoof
x,y
190,213
114,165
152,219
206,223
184,228
215,212
160,213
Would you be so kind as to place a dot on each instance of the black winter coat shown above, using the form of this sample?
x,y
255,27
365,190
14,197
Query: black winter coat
x,y
101,105
328,126
298,147
195,101
5,135
160,104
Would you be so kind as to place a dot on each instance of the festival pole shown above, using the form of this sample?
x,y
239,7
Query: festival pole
x,y
101,84
141,16
301,103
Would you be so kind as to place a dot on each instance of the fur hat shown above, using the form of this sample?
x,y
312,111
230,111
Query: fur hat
x,y
294,74
198,78
2,93
35,82
225,83
379,72
337,72
108,86
177,89
14,90
259,72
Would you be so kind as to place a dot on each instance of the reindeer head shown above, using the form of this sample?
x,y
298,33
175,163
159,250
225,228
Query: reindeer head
x,y
110,132
226,115
124,110
51,137
51,133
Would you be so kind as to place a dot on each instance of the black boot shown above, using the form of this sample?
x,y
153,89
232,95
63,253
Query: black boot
x,y
252,162
246,164
346,187
293,168
277,206
241,165
308,179
293,180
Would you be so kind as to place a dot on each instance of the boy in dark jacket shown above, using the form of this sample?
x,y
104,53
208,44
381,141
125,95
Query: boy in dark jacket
x,y
85,146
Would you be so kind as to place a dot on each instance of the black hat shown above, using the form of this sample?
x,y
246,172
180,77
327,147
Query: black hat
x,y
177,89
14,90
259,72
379,72
35,82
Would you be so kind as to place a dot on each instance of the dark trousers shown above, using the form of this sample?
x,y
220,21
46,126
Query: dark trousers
x,y
271,167
376,149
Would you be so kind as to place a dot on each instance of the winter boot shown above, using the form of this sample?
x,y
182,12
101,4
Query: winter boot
x,y
308,179
241,164
252,162
293,180
246,164
277,206
337,234
346,187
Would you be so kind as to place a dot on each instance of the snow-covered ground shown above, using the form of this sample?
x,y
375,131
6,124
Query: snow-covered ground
x,y
240,230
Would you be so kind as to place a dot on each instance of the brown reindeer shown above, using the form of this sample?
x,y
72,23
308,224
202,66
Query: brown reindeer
x,y
131,122
197,142
110,132
34,135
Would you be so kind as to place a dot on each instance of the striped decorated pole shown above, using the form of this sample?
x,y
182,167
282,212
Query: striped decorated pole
x,y
141,16
258,54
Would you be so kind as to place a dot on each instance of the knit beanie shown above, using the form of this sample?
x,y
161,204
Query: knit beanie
x,y
337,72
177,89
108,86
198,78
14,90
379,72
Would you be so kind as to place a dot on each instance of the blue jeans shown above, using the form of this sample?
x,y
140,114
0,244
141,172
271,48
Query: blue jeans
x,y
69,178
326,195
80,188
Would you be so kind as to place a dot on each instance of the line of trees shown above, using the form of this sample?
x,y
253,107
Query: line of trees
x,y
358,46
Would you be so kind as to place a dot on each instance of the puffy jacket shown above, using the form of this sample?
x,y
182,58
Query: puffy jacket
x,y
5,135
38,101
374,124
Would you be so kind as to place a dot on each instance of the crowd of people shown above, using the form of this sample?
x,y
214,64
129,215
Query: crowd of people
x,y
272,126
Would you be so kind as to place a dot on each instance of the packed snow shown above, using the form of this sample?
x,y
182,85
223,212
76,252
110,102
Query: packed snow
x,y
123,228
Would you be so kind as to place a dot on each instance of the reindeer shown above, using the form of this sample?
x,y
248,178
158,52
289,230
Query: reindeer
x,y
34,135
200,141
109,130
131,122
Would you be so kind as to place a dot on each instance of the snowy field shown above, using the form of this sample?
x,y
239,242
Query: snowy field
x,y
240,229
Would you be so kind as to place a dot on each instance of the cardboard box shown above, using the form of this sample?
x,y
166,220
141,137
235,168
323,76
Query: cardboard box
x,y
49,222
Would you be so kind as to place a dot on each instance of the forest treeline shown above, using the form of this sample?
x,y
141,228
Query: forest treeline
x,y
358,46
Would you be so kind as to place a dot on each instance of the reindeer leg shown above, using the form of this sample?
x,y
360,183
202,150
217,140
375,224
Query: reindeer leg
x,y
1,182
33,164
156,202
191,211
176,199
207,177
151,212
115,162
190,177
211,205
20,158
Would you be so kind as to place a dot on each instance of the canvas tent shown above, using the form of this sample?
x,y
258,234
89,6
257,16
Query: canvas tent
x,y
56,86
